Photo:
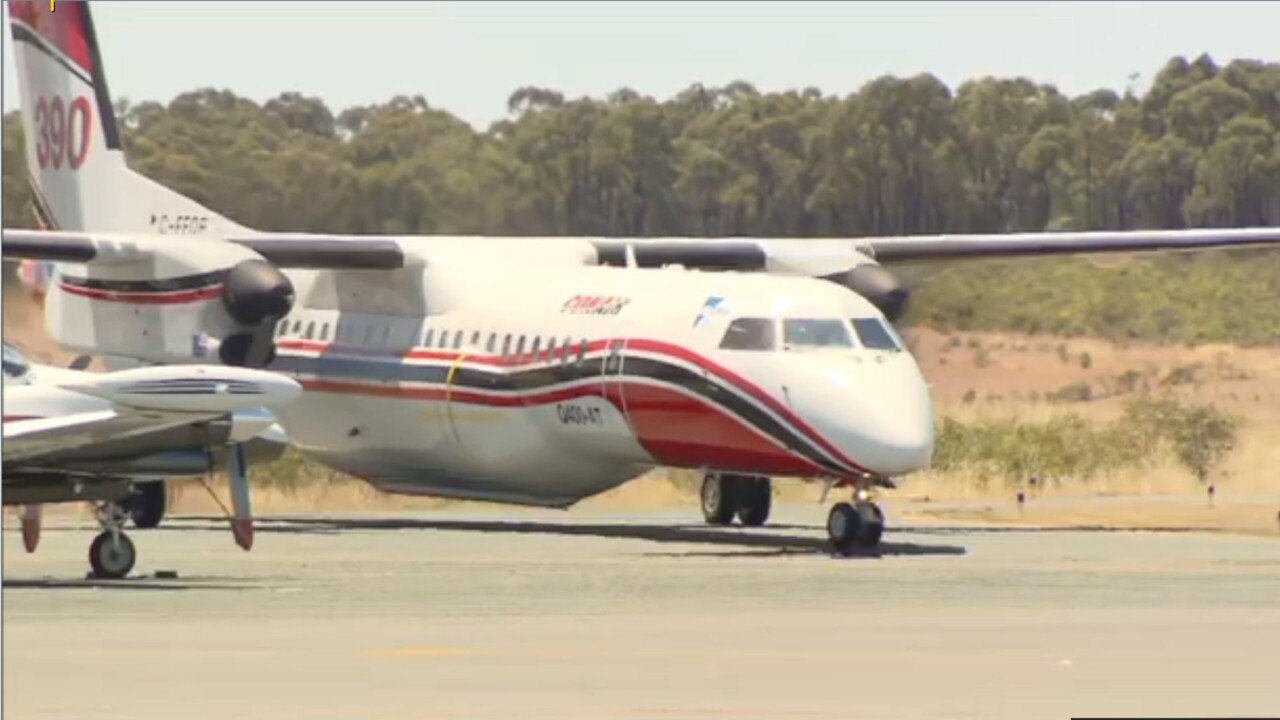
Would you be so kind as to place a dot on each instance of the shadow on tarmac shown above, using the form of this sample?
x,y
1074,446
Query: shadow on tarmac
x,y
763,543
130,583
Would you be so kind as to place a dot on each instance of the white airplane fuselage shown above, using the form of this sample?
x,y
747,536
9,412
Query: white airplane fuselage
x,y
551,382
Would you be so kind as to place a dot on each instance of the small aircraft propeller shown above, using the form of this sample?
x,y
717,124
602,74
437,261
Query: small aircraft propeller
x,y
80,363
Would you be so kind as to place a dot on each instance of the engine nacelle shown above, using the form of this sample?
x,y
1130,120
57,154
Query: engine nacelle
x,y
879,286
254,293
255,290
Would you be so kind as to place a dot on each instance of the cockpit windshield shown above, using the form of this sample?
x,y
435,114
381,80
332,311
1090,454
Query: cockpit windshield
x,y
816,332
15,364
750,334
875,335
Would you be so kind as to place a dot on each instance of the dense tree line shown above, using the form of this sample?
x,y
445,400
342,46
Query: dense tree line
x,y
902,155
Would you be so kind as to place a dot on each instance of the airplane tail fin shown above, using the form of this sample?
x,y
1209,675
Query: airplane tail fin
x,y
79,176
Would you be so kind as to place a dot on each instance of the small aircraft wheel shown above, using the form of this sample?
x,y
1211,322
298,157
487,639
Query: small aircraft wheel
x,y
147,506
110,559
719,498
755,497
854,526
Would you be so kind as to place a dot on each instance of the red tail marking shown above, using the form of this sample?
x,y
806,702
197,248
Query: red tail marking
x,y
65,29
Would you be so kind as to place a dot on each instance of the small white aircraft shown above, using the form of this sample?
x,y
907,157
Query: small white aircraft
x,y
73,436
535,371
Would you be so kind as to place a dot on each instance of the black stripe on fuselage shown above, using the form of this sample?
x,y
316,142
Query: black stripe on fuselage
x,y
388,368
186,282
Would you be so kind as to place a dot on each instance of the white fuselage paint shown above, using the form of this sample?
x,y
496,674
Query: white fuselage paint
x,y
389,401
453,406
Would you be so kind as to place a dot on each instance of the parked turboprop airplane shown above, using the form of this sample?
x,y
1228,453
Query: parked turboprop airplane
x,y
533,371
72,436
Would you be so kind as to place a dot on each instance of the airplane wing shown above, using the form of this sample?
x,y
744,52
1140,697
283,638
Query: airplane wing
x,y
822,257
43,441
807,256
120,412
281,250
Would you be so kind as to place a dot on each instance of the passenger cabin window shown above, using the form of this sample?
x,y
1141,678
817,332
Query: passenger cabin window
x,y
475,339
816,332
324,331
520,347
311,329
750,334
533,350
874,334
444,339
582,352
506,346
426,339
457,339
490,346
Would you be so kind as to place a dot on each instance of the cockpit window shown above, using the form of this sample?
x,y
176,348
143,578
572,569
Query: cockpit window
x,y
750,334
875,335
15,364
815,332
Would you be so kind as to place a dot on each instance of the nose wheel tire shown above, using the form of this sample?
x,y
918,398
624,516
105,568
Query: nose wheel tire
x,y
112,555
855,527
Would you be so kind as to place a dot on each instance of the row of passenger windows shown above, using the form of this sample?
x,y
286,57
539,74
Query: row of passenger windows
x,y
375,335
762,334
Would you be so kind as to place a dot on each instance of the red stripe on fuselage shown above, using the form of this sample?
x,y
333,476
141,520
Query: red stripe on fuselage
x,y
653,346
170,297
675,428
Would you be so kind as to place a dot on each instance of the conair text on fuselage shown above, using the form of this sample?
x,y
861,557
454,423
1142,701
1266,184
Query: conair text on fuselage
x,y
594,305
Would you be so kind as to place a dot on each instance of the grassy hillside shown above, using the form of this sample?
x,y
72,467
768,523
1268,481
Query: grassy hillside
x,y
1207,297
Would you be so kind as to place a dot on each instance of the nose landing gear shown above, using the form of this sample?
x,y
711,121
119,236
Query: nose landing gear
x,y
111,554
855,526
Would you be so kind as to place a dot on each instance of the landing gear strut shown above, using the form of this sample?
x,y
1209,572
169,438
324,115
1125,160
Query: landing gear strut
x,y
726,496
111,554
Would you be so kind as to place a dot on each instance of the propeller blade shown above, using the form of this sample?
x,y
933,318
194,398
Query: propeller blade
x,y
81,362
242,520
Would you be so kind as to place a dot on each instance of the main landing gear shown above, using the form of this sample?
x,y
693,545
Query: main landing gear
x,y
111,554
146,506
746,497
851,526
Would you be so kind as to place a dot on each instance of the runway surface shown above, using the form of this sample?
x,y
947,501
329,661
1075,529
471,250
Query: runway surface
x,y
566,615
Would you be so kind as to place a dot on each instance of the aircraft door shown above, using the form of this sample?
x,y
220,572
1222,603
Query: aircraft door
x,y
612,386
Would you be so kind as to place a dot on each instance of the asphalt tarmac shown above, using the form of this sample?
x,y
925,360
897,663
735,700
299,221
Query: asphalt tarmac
x,y
569,615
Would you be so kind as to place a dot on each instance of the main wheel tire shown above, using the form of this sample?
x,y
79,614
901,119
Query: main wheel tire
x,y
147,505
755,498
719,496
110,560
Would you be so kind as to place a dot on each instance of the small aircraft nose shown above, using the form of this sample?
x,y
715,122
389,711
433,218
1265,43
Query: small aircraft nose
x,y
875,410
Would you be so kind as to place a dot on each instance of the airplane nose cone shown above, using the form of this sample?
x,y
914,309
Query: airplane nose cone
x,y
876,411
